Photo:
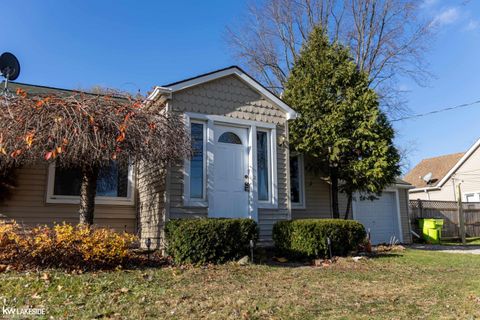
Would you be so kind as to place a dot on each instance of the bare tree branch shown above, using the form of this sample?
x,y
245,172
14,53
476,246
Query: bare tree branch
x,y
87,130
388,39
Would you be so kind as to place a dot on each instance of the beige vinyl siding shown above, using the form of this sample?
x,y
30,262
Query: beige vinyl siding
x,y
27,205
231,97
318,198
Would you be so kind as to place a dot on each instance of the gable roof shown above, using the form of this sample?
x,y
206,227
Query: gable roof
x,y
217,74
438,166
402,182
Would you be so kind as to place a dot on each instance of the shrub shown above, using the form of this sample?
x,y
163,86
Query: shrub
x,y
200,241
308,237
63,246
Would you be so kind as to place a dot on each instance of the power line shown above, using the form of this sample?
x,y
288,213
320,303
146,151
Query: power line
x,y
437,111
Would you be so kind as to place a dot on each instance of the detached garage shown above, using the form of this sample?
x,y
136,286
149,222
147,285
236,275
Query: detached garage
x,y
387,217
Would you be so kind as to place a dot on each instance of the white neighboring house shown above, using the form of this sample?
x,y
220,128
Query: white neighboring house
x,y
447,173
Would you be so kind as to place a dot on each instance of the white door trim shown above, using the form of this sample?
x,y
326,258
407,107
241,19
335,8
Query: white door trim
x,y
210,122
397,203
241,132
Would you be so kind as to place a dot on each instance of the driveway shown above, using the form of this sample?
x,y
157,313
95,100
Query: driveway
x,y
450,249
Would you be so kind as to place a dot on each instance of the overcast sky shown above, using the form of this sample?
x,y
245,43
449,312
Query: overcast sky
x,y
134,45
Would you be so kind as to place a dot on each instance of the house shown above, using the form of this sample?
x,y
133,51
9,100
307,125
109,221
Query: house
x,y
241,168
438,178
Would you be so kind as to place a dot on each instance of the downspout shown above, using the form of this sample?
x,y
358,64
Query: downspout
x,y
289,198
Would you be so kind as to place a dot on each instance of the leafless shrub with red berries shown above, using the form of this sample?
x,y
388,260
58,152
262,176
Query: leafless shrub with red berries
x,y
88,131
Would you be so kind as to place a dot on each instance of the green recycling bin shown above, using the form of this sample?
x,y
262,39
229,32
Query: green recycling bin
x,y
431,229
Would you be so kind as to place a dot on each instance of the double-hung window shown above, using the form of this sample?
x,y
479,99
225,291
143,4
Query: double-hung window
x,y
114,184
297,185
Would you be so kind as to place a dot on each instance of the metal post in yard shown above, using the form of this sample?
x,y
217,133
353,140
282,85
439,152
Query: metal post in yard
x,y
420,207
329,244
461,217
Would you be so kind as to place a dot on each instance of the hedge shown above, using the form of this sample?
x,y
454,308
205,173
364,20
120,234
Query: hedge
x,y
212,240
307,238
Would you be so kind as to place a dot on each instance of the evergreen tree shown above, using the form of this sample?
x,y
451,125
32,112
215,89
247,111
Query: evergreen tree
x,y
340,128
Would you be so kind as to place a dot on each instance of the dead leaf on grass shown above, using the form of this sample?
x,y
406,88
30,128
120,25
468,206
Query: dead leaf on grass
x,y
46,277
124,290
36,296
147,277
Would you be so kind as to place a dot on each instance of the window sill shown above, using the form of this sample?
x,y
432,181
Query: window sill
x,y
99,201
266,205
298,207
195,203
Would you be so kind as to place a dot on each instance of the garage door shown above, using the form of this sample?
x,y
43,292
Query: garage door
x,y
380,217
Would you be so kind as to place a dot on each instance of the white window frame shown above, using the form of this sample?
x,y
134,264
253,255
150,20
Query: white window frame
x,y
468,195
301,178
187,200
272,202
129,200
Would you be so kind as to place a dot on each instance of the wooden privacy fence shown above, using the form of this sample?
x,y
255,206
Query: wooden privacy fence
x,y
448,211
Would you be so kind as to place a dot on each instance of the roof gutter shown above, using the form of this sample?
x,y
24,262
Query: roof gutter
x,y
164,93
404,186
424,189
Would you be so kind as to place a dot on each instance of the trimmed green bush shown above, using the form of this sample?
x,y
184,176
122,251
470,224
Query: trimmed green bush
x,y
307,238
200,241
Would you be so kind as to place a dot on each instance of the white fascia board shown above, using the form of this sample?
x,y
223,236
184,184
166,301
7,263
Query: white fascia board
x,y
459,163
157,91
404,186
291,114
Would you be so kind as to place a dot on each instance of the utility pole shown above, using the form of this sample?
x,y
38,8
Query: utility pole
x,y
461,217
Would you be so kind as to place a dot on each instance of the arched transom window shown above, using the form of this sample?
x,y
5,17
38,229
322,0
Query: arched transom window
x,y
229,137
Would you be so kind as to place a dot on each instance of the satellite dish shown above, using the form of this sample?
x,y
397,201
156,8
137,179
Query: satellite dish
x,y
9,66
427,178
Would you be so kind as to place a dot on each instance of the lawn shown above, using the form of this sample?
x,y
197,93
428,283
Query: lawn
x,y
404,285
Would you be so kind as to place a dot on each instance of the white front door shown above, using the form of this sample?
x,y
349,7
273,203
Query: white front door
x,y
230,197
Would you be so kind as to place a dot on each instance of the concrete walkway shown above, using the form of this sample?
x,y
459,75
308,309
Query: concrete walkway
x,y
449,249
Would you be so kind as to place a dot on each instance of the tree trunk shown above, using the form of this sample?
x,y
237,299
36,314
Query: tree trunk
x,y
88,190
334,180
349,205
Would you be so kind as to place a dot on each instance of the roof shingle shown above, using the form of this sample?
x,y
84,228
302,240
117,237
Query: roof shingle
x,y
438,166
